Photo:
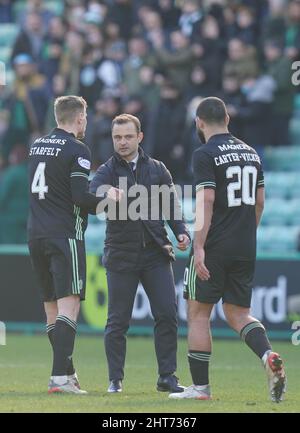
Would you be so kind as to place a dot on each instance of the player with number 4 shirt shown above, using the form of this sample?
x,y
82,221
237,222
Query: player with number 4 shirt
x,y
59,167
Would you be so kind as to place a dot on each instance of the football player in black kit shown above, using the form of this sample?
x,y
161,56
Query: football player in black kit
x,y
230,191
59,167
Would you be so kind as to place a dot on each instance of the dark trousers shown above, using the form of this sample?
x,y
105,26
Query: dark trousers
x,y
159,286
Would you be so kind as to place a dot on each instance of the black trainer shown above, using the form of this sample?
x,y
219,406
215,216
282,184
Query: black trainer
x,y
169,383
115,386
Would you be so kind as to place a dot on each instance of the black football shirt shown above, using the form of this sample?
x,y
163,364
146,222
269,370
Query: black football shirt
x,y
53,160
233,169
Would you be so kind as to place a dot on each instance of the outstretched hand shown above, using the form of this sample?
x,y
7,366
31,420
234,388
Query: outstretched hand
x,y
183,242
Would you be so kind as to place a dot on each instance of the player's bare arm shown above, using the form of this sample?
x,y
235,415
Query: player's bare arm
x,y
259,206
206,200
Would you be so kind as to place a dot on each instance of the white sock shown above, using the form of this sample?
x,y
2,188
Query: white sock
x,y
201,387
265,357
59,380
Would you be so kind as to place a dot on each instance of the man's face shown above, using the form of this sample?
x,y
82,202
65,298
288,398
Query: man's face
x,y
126,140
82,122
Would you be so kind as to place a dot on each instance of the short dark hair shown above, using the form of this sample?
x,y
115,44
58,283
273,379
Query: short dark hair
x,y
212,110
127,118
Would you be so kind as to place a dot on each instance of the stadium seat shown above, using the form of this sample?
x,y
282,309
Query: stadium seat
x,y
277,239
284,158
10,76
294,212
94,237
8,33
275,212
281,212
277,184
55,6
5,53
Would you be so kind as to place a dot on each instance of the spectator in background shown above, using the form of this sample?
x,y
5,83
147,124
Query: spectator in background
x,y
232,96
275,21
168,128
106,108
90,85
191,16
210,48
30,40
256,110
14,198
192,42
152,27
36,7
122,13
246,26
278,67
53,47
285,26
138,56
28,104
149,88
112,33
200,83
169,13
70,65
242,60
177,62
134,106
6,13
292,32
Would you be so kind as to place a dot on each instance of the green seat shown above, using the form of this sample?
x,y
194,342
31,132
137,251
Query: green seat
x,y
277,239
55,6
279,184
5,53
8,34
94,237
276,212
293,217
283,158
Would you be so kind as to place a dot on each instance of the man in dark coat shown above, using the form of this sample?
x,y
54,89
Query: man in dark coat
x,y
137,249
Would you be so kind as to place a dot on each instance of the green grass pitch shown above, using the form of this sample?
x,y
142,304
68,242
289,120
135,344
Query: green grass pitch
x,y
238,381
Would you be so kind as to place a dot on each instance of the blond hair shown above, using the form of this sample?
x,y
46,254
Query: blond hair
x,y
66,108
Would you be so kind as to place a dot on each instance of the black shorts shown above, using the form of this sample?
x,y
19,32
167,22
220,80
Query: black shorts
x,y
60,267
230,279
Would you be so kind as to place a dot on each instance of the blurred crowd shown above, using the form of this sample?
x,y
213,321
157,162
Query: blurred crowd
x,y
154,59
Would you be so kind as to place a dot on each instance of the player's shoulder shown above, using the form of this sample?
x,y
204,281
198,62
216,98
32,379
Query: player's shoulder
x,y
228,143
203,152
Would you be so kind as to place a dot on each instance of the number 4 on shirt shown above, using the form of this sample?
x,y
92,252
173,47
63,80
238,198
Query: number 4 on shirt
x,y
38,185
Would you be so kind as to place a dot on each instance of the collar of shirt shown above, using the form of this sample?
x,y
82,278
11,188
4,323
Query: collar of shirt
x,y
135,160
